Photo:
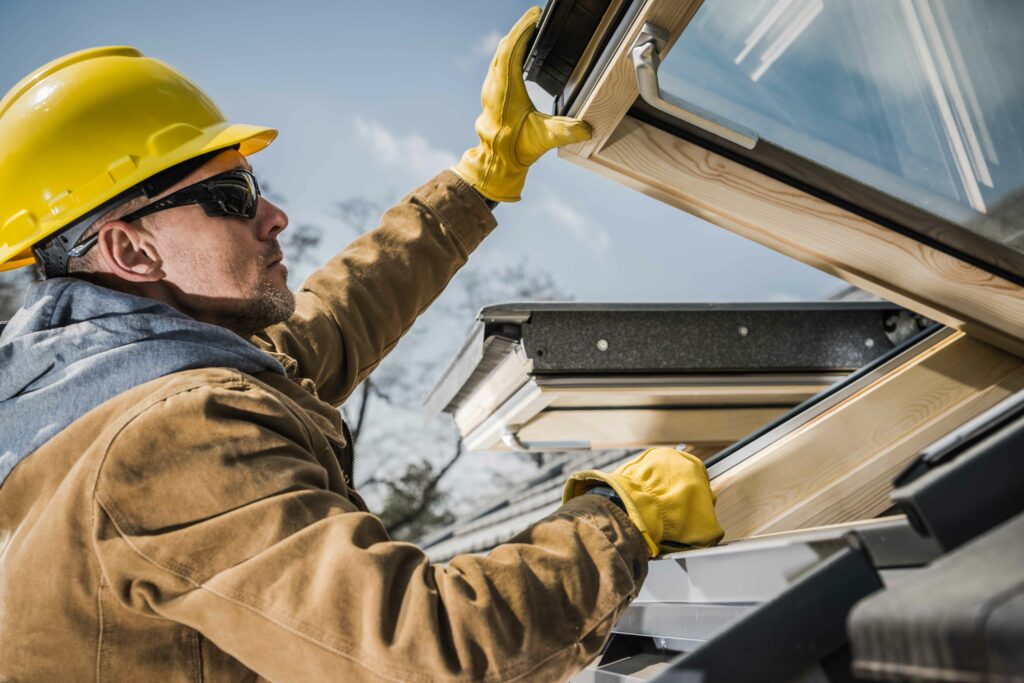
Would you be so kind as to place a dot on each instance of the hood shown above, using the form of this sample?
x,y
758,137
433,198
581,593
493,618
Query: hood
x,y
74,345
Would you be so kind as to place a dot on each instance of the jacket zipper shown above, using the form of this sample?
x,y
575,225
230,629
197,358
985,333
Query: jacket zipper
x,y
348,455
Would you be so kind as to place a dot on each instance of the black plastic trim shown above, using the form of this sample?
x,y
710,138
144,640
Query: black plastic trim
x,y
974,489
566,28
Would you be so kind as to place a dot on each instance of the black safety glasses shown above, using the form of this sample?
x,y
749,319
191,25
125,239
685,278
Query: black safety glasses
x,y
233,193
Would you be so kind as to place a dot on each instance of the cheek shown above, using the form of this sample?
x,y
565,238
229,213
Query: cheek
x,y
207,264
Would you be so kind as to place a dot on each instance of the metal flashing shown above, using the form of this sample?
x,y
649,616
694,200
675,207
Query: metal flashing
x,y
782,600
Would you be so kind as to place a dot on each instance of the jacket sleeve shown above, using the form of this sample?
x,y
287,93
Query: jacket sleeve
x,y
229,527
351,312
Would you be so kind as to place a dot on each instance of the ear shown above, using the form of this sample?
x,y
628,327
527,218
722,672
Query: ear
x,y
130,253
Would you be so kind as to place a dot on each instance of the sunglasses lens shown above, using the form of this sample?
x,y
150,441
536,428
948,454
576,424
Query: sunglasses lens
x,y
236,193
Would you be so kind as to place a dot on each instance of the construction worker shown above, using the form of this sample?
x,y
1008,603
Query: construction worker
x,y
176,501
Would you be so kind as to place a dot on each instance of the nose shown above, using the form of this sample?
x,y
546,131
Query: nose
x,y
271,220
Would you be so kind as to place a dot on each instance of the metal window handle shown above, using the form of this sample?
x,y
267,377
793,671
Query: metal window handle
x,y
646,55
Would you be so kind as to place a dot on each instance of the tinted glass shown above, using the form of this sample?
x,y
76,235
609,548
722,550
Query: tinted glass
x,y
236,192
921,99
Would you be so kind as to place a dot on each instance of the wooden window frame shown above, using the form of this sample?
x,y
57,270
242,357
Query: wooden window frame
x,y
780,216
839,466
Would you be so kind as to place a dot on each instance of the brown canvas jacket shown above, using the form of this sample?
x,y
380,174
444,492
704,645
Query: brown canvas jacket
x,y
200,526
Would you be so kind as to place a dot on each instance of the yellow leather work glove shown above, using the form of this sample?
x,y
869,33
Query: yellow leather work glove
x,y
667,495
513,134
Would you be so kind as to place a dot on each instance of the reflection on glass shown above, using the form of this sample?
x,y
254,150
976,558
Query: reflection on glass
x,y
922,99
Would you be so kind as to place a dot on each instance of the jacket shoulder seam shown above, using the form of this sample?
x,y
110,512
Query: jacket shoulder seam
x,y
236,382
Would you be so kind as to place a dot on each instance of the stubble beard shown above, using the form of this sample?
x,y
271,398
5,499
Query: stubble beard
x,y
269,304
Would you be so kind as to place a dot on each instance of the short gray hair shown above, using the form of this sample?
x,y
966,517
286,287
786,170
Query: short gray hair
x,y
90,261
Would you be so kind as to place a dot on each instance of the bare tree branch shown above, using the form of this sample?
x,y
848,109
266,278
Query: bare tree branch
x,y
300,243
429,489
361,419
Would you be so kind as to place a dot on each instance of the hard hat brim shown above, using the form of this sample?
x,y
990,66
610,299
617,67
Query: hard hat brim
x,y
25,258
250,139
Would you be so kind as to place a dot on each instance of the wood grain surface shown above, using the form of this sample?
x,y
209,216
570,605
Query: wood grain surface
x,y
839,466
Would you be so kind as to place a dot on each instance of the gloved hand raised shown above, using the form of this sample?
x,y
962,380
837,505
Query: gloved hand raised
x,y
513,134
667,495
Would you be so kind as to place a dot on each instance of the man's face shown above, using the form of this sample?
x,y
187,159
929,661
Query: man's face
x,y
223,270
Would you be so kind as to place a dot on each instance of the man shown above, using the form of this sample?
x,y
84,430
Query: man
x,y
176,500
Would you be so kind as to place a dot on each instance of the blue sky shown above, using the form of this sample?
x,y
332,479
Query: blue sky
x,y
372,97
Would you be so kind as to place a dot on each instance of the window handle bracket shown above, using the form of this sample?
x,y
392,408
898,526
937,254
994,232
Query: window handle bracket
x,y
646,54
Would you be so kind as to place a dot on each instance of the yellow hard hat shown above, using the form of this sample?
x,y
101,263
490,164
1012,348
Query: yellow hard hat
x,y
84,130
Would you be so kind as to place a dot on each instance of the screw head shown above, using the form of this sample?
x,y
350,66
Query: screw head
x,y
869,342
602,344
744,331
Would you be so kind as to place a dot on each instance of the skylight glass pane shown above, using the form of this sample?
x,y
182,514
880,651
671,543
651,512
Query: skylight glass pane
x,y
921,99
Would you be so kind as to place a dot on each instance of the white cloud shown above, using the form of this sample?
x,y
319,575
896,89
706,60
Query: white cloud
x,y
411,152
486,45
575,223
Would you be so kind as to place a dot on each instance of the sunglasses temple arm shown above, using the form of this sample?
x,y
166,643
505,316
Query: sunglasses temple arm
x,y
84,246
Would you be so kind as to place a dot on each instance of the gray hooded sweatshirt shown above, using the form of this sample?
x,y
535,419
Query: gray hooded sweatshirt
x,y
74,345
